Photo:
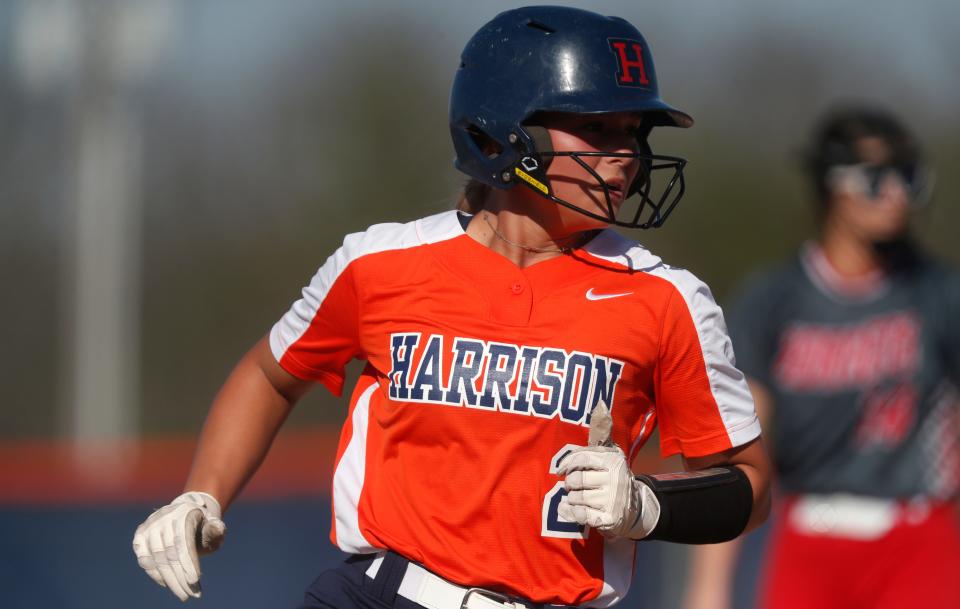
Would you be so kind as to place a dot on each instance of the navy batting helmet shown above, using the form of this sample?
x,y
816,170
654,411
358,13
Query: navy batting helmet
x,y
557,59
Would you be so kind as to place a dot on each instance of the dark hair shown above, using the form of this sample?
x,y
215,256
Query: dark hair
x,y
473,197
836,138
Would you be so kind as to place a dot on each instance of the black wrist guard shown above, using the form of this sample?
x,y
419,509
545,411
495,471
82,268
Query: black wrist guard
x,y
703,506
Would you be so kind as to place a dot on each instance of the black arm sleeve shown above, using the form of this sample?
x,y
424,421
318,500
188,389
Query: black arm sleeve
x,y
705,506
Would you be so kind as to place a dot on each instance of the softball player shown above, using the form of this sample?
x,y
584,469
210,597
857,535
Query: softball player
x,y
518,354
853,349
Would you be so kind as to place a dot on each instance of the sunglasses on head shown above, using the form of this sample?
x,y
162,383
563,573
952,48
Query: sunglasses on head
x,y
869,180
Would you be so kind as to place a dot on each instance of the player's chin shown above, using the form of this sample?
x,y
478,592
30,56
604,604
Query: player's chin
x,y
579,221
595,201
889,228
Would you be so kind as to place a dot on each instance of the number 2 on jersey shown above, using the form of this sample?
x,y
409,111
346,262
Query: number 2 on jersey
x,y
552,525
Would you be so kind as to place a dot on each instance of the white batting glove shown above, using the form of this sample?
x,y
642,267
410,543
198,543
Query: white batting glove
x,y
603,494
166,544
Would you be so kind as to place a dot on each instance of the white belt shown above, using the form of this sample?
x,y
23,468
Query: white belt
x,y
423,587
853,516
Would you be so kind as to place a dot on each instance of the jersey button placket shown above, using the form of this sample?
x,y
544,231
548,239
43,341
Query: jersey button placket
x,y
515,300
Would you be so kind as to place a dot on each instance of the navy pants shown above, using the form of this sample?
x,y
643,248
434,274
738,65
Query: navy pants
x,y
348,587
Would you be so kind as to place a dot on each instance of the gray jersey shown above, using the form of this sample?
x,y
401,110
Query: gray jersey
x,y
863,380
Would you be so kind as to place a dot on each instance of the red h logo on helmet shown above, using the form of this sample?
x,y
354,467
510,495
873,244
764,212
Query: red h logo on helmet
x,y
631,72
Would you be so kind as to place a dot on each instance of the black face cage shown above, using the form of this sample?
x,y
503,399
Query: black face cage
x,y
651,210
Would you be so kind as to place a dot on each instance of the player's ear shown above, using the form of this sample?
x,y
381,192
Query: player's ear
x,y
542,141
537,130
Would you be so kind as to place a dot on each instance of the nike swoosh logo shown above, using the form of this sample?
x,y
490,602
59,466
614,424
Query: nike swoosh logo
x,y
592,296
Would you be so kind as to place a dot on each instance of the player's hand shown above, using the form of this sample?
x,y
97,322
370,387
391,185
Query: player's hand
x,y
168,542
602,492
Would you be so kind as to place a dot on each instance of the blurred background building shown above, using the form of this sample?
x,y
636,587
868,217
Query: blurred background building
x,y
171,172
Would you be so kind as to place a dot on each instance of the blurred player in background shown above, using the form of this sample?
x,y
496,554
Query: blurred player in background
x,y
852,349
519,352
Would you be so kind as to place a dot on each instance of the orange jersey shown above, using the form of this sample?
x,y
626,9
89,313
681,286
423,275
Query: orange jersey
x,y
481,374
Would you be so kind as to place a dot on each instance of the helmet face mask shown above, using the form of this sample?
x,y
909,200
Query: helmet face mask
x,y
536,60
649,207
